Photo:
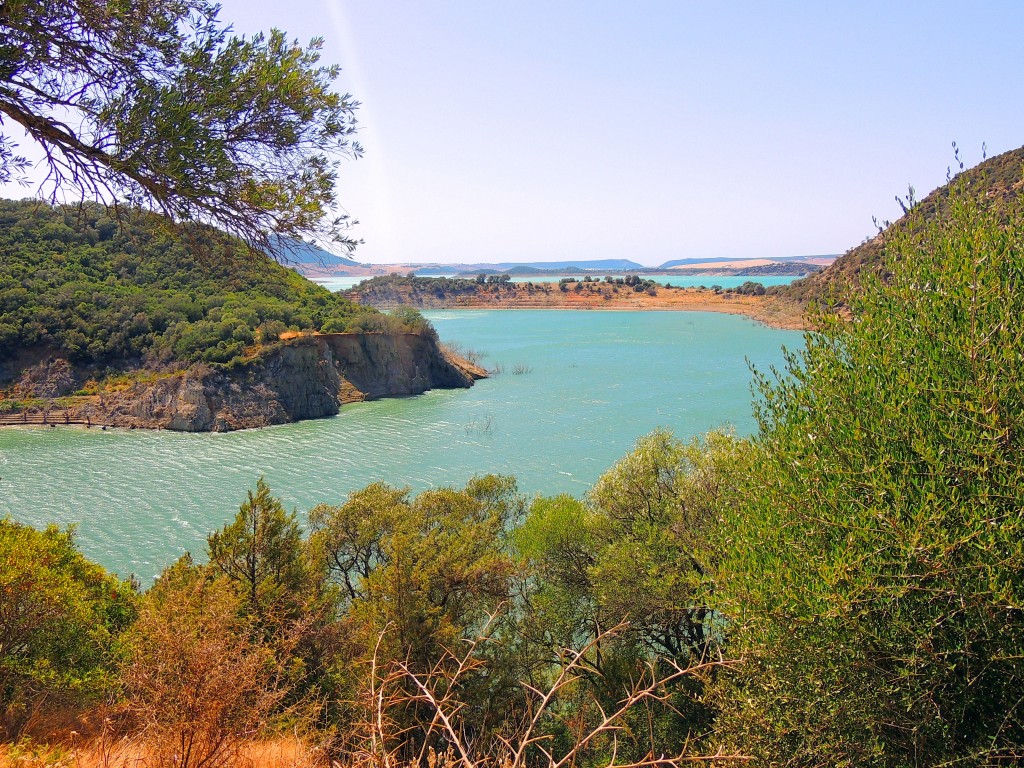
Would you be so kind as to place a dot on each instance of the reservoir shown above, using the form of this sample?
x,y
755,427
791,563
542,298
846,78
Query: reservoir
x,y
574,392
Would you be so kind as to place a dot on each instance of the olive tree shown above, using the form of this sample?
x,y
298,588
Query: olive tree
x,y
159,105
874,568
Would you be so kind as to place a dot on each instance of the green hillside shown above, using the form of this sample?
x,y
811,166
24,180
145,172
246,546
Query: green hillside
x,y
141,291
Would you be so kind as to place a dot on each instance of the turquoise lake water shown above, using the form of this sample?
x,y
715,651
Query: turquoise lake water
x,y
594,382
680,281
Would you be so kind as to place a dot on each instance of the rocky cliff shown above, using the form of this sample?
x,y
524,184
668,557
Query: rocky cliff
x,y
303,378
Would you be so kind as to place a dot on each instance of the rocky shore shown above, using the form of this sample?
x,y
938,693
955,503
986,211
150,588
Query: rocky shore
x,y
306,377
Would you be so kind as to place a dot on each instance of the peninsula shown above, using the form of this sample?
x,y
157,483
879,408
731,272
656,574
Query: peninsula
x,y
632,292
139,323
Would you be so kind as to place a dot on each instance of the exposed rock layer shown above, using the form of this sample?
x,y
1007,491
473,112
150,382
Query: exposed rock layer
x,y
304,378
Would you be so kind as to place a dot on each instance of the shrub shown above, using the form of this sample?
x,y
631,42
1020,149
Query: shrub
x,y
750,288
335,325
271,330
199,683
874,572
60,617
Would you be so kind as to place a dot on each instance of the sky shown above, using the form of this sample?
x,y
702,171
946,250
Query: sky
x,y
553,130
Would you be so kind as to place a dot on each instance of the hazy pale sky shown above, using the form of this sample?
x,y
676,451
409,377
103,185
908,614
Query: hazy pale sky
x,y
549,130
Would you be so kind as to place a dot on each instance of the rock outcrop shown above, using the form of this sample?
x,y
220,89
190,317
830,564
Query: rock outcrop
x,y
307,377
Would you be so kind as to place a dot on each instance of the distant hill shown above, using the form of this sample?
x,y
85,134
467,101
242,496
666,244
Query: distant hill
x,y
610,265
754,269
1000,177
291,252
720,259
341,266
519,271
687,262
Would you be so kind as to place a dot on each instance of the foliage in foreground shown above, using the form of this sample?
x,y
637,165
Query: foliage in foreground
x,y
874,568
172,112
404,624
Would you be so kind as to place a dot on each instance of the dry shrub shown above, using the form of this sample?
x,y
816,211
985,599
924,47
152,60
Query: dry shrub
x,y
199,685
446,741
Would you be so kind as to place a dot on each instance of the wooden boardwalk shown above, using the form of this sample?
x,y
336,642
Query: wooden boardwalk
x,y
44,419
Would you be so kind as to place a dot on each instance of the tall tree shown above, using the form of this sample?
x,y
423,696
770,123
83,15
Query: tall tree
x,y
261,551
637,549
158,105
428,569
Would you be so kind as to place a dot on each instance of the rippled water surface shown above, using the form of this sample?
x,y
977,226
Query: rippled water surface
x,y
589,384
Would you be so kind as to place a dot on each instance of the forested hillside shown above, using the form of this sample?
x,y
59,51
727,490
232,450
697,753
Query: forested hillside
x,y
141,291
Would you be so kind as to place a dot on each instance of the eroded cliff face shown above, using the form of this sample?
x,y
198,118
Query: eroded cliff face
x,y
383,365
305,378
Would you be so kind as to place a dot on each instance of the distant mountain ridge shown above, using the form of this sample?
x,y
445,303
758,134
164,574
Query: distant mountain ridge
x,y
589,265
612,264
313,262
720,259
292,253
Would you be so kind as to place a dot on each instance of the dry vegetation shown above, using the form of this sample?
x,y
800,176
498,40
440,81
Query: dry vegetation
x,y
455,293
219,719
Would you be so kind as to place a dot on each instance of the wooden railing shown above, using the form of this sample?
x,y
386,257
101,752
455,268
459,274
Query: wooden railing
x,y
43,418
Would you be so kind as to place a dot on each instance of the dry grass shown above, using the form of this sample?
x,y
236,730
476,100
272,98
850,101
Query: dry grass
x,y
283,753
131,753
217,732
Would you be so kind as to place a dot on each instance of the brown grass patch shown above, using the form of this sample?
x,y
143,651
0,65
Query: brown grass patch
x,y
283,752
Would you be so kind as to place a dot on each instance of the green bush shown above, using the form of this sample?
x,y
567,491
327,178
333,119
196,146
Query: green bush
x,y
271,330
60,618
750,288
874,572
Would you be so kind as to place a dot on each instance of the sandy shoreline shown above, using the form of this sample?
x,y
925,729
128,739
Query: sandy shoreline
x,y
771,311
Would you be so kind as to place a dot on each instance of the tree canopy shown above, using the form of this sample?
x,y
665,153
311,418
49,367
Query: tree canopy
x,y
101,292
159,105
